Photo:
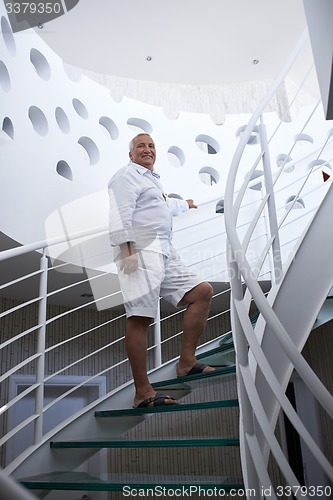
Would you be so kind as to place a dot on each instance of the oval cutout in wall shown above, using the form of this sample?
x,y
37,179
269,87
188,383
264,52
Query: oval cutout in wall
x,y
294,202
91,149
176,156
139,125
38,120
8,36
80,108
40,64
220,207
285,162
8,127
207,144
209,176
304,138
4,77
64,170
110,126
320,170
62,120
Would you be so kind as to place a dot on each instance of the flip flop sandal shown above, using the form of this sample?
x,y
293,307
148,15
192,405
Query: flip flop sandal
x,y
195,370
158,400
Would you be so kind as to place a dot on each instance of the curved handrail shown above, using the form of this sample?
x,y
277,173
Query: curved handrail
x,y
250,351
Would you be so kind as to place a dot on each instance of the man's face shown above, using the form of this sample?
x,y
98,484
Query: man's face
x,y
143,152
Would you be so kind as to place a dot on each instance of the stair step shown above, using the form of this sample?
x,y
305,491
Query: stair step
x,y
184,382
225,345
227,340
146,443
224,355
168,408
132,485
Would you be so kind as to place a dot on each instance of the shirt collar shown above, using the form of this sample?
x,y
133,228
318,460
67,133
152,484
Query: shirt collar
x,y
143,170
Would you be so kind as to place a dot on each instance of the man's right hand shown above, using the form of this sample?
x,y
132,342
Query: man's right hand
x,y
129,260
129,264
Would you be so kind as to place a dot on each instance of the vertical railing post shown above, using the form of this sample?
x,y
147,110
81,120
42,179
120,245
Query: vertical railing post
x,y
242,360
157,338
271,207
40,368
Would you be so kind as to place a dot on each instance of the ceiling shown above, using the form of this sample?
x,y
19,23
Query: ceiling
x,y
192,42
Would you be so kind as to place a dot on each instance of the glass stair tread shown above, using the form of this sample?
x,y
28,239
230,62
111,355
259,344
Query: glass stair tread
x,y
184,382
168,408
63,480
177,442
223,355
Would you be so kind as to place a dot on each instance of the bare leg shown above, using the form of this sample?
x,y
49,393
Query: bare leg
x,y
136,347
194,322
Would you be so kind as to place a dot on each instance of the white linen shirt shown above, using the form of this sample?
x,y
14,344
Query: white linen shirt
x,y
140,212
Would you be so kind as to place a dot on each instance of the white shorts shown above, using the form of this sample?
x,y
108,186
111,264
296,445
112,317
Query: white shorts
x,y
157,276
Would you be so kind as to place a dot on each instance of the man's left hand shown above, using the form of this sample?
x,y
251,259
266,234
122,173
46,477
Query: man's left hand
x,y
191,204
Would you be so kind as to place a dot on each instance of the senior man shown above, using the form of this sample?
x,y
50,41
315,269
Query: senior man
x,y
149,267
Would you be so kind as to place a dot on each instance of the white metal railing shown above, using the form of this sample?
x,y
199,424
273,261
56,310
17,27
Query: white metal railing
x,y
36,360
258,429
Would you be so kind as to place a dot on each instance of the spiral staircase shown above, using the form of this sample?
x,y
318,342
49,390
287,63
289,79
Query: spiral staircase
x,y
280,293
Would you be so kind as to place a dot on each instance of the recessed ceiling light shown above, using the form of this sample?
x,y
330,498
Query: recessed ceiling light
x,y
148,58
255,61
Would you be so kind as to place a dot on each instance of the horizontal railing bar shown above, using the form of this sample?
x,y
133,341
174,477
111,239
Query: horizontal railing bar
x,y
165,318
53,402
197,262
281,223
79,262
78,308
19,336
17,398
18,428
172,337
20,306
18,280
212,218
68,287
222,292
202,241
84,358
217,315
101,325
19,366
40,245
217,276
58,267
